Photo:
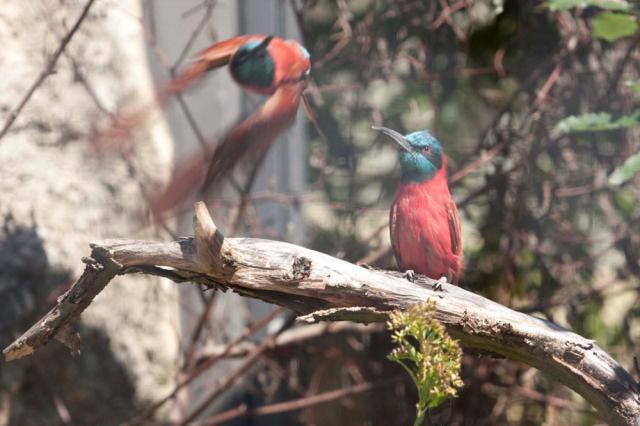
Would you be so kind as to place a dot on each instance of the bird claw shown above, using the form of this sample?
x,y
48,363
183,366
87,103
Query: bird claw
x,y
409,275
437,285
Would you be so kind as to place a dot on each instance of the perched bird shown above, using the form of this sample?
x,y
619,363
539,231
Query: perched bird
x,y
265,65
423,220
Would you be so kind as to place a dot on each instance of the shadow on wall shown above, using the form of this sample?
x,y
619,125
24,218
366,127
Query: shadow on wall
x,y
51,387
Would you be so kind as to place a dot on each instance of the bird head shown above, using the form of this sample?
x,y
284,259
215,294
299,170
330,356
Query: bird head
x,y
252,64
420,154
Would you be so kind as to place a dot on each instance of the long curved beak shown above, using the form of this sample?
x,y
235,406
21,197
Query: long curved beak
x,y
397,137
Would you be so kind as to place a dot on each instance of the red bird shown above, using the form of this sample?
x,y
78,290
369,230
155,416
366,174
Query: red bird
x,y
423,221
265,65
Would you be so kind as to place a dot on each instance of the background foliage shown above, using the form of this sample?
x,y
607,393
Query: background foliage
x,y
536,105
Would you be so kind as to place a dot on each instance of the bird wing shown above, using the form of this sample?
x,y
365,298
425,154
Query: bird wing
x,y
393,226
454,228
214,56
252,136
255,135
187,176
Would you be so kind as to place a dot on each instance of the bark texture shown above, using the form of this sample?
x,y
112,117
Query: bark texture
x,y
321,287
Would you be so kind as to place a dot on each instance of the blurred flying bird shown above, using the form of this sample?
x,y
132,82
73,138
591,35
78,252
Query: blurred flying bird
x,y
265,65
423,221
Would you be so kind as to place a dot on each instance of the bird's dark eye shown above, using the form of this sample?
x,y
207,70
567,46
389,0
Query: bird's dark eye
x,y
426,149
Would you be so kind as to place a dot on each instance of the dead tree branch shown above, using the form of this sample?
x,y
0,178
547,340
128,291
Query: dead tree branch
x,y
325,288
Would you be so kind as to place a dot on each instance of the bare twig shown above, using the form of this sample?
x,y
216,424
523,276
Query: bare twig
x,y
248,363
548,85
297,404
485,157
197,330
208,6
244,193
204,365
535,395
82,79
202,140
344,37
47,69
446,12
295,336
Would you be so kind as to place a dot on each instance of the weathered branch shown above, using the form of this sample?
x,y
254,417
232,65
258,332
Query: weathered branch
x,y
325,288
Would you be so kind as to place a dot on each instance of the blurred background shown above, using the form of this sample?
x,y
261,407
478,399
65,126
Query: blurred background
x,y
535,103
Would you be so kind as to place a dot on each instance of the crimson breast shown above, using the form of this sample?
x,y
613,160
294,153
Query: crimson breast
x,y
425,230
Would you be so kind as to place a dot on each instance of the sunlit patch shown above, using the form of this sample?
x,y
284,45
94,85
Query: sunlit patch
x,y
250,45
304,51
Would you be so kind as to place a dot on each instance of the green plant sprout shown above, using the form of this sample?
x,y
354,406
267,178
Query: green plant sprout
x,y
427,353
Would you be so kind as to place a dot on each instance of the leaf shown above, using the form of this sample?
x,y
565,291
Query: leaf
x,y
626,170
625,202
595,122
634,85
619,5
433,357
612,26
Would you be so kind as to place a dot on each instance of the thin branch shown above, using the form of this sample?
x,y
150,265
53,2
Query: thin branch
x,y
294,336
535,395
208,6
484,157
245,194
296,404
203,366
248,363
202,140
203,319
47,69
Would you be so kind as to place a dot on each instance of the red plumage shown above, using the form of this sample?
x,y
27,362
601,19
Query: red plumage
x,y
252,137
291,64
425,229
214,56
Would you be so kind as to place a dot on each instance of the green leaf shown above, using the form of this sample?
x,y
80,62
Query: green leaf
x,y
626,171
625,202
612,26
634,85
434,366
619,5
595,122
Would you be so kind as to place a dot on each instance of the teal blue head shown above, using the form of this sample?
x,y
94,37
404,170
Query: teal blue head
x,y
252,65
420,154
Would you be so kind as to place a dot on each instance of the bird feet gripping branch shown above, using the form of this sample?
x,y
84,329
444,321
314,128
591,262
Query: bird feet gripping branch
x,y
409,275
437,285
